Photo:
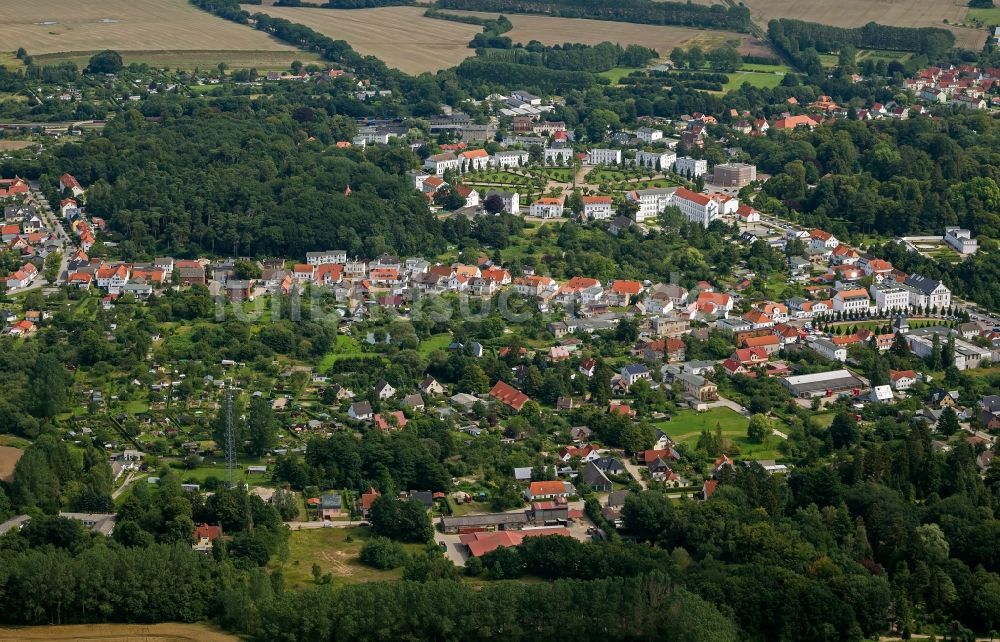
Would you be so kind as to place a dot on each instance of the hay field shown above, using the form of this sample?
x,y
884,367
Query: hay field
x,y
9,146
169,632
194,58
53,26
900,13
8,459
556,31
400,36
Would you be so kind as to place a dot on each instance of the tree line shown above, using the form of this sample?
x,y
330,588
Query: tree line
x,y
574,57
715,16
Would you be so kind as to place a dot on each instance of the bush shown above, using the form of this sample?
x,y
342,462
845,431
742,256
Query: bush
x,y
382,553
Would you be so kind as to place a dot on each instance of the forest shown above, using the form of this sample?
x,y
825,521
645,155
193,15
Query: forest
x,y
716,16
235,183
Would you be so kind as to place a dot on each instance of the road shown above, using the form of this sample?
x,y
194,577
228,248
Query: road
x,y
66,246
635,471
132,477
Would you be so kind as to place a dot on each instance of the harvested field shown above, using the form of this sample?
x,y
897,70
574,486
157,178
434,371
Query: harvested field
x,y
168,632
11,145
50,26
400,36
190,59
556,31
900,13
8,459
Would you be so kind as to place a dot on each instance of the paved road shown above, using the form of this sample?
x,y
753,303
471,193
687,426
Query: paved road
x,y
129,480
635,471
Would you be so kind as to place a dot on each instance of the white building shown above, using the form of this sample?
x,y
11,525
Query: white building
x,y
558,155
439,163
889,296
660,161
511,201
961,240
855,300
651,201
690,167
604,157
698,208
648,134
597,208
829,349
547,207
926,292
330,256
516,158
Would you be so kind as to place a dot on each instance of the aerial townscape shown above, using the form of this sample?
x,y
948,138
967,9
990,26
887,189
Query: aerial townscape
x,y
491,320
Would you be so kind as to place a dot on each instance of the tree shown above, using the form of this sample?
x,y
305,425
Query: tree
x,y
678,57
401,520
696,58
759,428
52,264
105,62
246,269
493,204
382,553
262,426
48,383
948,421
844,430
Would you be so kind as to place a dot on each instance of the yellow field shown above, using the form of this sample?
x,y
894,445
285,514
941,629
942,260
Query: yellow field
x,y
900,13
190,59
169,632
556,31
53,26
400,36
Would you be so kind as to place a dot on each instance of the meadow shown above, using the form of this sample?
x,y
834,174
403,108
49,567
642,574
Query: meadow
x,y
685,427
170,29
399,36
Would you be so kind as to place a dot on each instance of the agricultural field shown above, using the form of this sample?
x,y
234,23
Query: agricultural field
x,y
554,31
900,13
13,145
400,36
9,456
194,59
168,28
686,426
168,632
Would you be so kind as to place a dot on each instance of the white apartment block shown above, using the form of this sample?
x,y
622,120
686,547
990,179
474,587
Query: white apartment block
x,y
597,208
547,208
651,201
511,201
558,155
851,301
648,134
698,208
604,157
515,158
661,161
323,258
687,166
829,349
926,292
890,297
439,163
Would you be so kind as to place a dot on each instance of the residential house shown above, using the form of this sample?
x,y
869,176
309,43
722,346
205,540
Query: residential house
x,y
360,411
902,379
547,207
509,396
596,478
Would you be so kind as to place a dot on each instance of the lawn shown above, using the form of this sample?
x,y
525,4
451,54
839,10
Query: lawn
x,y
616,74
984,16
344,347
436,342
754,66
686,426
756,79
336,551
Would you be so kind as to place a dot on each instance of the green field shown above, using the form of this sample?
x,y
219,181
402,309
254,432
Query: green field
x,y
753,66
685,427
343,348
436,342
331,549
984,16
616,74
756,79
